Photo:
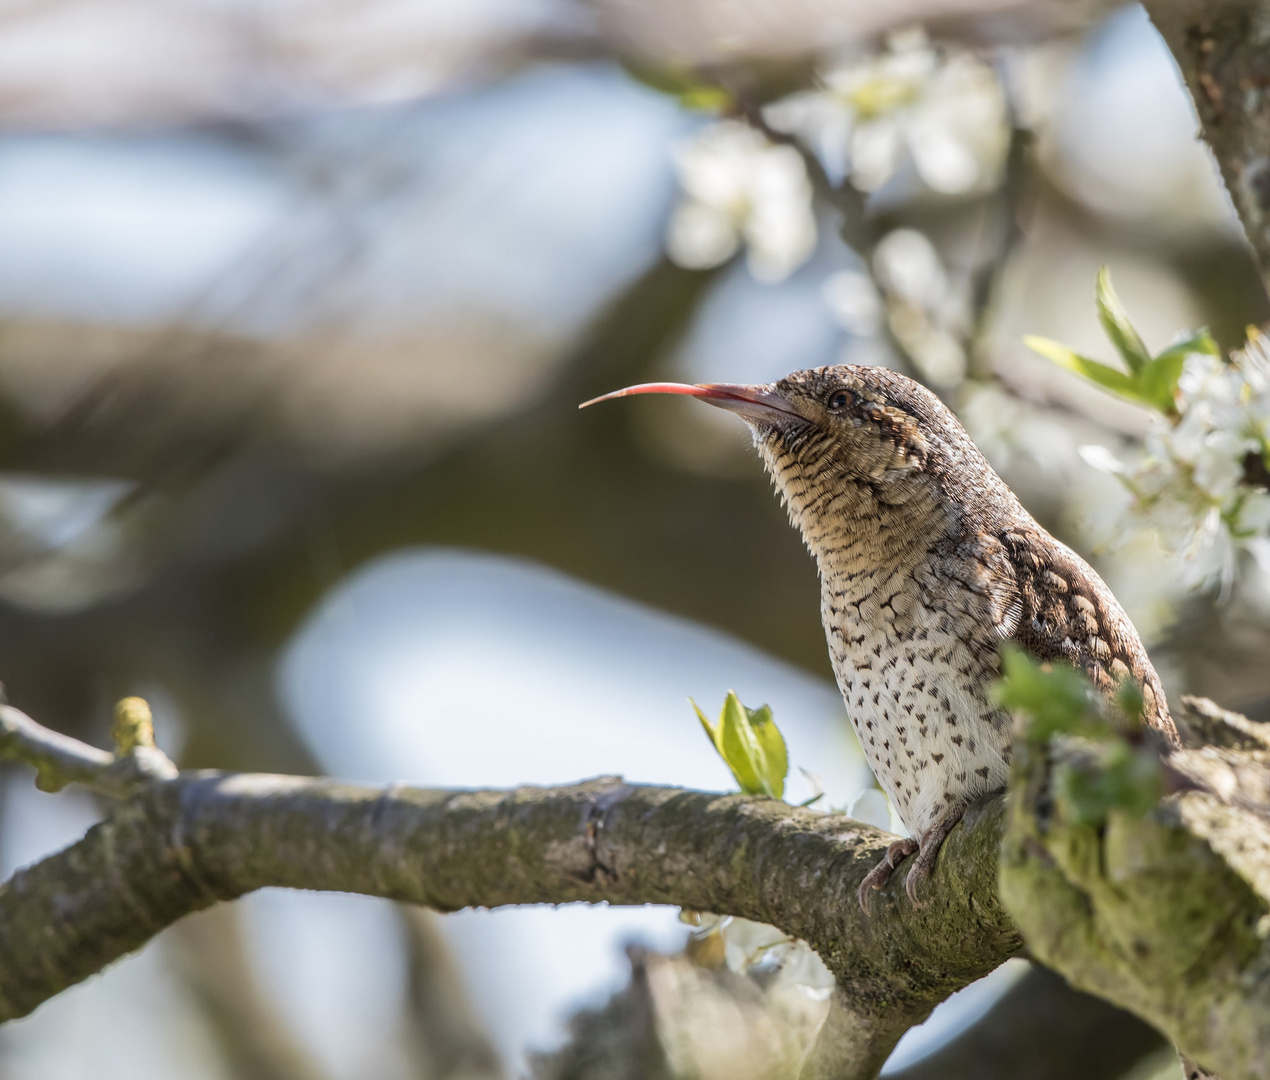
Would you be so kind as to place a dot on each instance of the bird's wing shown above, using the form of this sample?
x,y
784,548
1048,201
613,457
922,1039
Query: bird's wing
x,y
975,572
1068,613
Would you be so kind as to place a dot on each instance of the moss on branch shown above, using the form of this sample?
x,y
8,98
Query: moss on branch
x,y
1163,914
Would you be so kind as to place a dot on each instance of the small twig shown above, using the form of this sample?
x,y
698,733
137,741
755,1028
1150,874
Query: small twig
x,y
59,760
1010,207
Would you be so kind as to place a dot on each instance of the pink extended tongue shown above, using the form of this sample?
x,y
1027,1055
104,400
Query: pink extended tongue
x,y
654,388
751,402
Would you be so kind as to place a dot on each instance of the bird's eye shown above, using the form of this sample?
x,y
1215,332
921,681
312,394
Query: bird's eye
x,y
840,400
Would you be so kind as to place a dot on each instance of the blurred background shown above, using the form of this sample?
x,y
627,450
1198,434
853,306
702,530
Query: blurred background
x,y
297,301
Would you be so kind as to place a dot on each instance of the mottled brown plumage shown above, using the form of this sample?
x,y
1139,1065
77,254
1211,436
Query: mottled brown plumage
x,y
928,562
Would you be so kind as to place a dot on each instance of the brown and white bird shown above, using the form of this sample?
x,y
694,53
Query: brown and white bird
x,y
928,563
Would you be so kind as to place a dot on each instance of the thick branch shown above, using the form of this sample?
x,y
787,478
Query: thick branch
x,y
1163,914
1221,47
185,843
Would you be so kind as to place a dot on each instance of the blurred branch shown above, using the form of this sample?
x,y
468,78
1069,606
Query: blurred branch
x,y
1220,47
715,32
1004,228
581,492
213,961
681,1018
1041,1029
185,64
451,1043
176,64
182,844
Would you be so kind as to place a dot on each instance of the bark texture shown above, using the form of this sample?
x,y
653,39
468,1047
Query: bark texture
x,y
1163,914
1223,50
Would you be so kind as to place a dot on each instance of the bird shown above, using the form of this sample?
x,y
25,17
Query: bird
x,y
929,564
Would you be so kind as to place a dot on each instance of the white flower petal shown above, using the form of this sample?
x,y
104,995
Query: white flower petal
x,y
872,808
875,151
779,243
945,164
700,236
854,299
908,265
1254,513
1102,459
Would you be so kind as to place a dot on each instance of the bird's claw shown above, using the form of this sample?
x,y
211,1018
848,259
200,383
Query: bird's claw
x,y
924,865
917,873
881,874
899,850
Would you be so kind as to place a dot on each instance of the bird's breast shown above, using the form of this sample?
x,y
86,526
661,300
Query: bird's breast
x,y
915,680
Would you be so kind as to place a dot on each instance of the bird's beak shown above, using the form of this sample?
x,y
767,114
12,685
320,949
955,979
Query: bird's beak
x,y
750,402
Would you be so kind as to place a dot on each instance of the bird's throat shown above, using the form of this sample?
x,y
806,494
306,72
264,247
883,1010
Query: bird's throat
x,y
852,525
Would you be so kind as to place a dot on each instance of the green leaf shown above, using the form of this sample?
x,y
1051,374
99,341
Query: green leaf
x,y
1109,773
774,766
682,83
1158,380
1129,701
1150,380
740,746
1115,321
1120,778
1104,376
712,730
1057,698
751,745
1201,341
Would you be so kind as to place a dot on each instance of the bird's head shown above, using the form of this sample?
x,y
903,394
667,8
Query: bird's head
x,y
844,443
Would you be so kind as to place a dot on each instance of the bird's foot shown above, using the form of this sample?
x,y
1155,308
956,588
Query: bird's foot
x,y
881,874
928,851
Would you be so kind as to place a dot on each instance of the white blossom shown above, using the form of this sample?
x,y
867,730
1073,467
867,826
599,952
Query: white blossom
x,y
1191,483
943,111
1253,517
741,188
926,313
1102,459
854,300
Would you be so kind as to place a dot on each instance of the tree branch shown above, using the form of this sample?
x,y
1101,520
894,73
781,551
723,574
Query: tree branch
x,y
182,844
59,760
1042,1030
1164,914
1220,45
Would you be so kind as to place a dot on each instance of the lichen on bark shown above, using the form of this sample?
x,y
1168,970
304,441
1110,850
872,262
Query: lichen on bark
x,y
1162,914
